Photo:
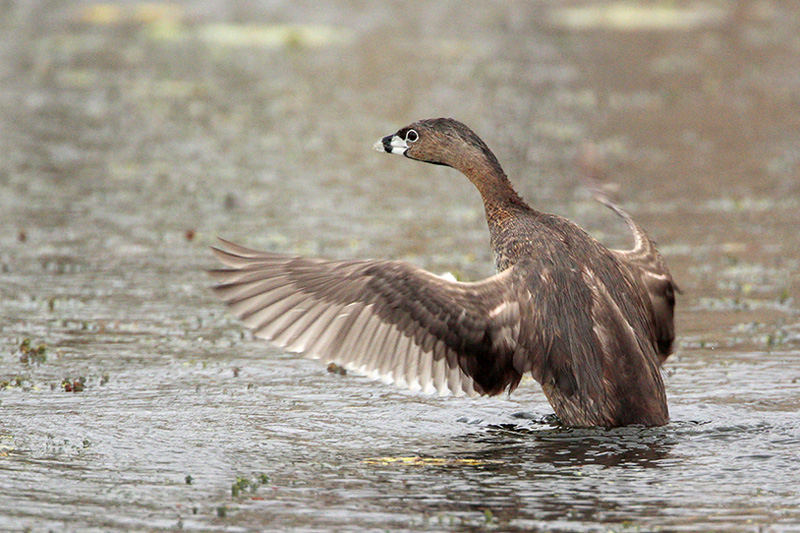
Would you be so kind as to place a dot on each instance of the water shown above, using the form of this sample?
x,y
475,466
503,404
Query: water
x,y
133,134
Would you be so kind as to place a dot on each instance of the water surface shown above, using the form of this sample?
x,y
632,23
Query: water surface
x,y
134,133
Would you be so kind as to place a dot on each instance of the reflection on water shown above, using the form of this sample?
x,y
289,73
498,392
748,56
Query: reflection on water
x,y
572,447
133,133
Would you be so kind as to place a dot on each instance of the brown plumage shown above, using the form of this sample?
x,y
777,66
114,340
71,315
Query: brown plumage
x,y
592,325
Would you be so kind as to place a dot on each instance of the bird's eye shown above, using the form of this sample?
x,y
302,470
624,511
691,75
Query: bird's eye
x,y
412,136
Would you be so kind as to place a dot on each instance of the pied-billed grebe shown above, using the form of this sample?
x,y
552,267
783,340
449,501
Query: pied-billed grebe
x,y
591,325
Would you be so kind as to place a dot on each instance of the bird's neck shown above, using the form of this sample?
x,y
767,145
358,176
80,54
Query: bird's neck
x,y
500,200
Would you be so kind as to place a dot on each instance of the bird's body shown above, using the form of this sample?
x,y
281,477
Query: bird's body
x,y
591,325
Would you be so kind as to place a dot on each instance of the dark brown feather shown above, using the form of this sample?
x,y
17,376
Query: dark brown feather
x,y
645,260
591,325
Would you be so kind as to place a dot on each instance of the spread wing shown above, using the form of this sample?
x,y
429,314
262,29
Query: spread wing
x,y
645,260
386,319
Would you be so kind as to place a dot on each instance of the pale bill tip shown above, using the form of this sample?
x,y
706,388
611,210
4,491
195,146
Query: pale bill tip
x,y
378,146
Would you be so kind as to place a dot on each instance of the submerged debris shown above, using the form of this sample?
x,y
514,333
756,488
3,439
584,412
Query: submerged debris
x,y
230,202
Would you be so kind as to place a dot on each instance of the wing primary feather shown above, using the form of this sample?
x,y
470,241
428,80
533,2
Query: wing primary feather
x,y
408,363
355,327
412,367
264,308
229,279
297,341
284,315
249,253
236,292
238,261
330,338
244,308
314,337
454,381
398,370
372,358
297,320
365,342
439,378
388,351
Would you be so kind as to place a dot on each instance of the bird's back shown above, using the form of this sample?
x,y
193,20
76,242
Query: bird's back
x,y
588,327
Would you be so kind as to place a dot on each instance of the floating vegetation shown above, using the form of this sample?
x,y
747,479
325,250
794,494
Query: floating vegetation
x,y
629,16
73,385
6,445
782,336
785,297
110,14
16,381
243,484
763,333
166,22
416,460
736,303
749,204
31,355
57,264
273,35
